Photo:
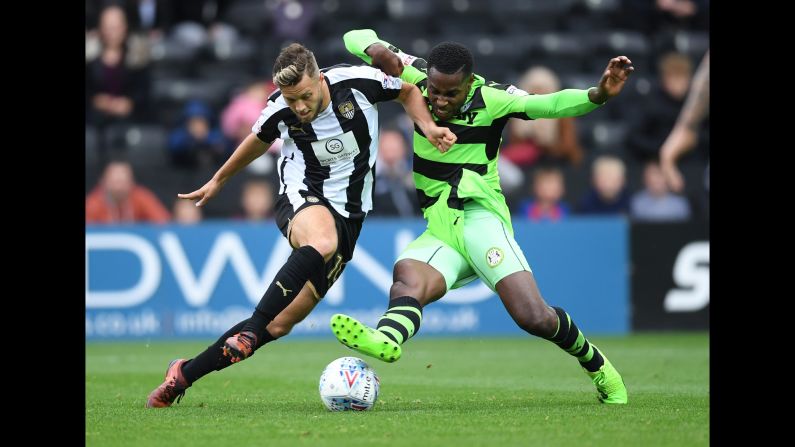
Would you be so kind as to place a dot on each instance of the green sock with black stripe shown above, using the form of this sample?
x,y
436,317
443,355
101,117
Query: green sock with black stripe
x,y
401,320
571,340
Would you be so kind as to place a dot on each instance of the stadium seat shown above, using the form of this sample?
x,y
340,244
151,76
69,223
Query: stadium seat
x,y
145,145
92,146
609,136
694,44
250,17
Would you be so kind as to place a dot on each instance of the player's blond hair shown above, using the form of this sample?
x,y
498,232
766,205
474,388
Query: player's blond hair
x,y
293,62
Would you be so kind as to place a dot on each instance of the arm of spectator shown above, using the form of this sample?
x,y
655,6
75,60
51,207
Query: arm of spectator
x,y
684,135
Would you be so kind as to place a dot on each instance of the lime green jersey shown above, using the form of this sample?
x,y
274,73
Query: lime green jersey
x,y
468,170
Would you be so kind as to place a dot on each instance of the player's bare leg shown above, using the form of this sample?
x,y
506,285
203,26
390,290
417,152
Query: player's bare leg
x,y
416,284
521,297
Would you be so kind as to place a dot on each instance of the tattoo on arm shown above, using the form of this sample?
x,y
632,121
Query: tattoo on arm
x,y
697,104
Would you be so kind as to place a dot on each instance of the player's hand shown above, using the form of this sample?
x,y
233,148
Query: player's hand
x,y
441,137
613,79
384,59
203,194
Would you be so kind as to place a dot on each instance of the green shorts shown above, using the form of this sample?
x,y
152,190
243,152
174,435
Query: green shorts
x,y
492,249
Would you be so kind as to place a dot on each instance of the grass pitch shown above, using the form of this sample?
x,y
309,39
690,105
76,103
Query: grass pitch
x,y
442,392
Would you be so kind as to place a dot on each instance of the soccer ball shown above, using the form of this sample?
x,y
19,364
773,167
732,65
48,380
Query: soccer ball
x,y
348,383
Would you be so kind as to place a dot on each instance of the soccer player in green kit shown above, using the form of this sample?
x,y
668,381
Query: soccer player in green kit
x,y
469,233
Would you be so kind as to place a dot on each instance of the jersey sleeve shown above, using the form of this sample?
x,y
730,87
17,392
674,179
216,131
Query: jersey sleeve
x,y
565,103
267,126
357,41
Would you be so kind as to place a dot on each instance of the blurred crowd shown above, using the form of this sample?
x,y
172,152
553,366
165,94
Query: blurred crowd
x,y
173,86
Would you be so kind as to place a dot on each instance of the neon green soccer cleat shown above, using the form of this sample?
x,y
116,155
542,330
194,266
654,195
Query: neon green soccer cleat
x,y
359,337
609,383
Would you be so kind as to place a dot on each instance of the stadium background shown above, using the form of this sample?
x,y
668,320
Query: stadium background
x,y
211,51
156,291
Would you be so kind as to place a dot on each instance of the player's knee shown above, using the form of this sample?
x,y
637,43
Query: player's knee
x,y
537,321
279,329
401,288
325,245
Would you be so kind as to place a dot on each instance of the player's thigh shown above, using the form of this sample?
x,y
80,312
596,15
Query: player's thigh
x,y
314,225
492,250
450,264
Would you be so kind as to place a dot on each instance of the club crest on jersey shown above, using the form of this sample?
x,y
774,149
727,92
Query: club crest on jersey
x,y
312,199
346,109
494,257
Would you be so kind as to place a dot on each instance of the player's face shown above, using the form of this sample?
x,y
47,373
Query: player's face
x,y
447,92
305,98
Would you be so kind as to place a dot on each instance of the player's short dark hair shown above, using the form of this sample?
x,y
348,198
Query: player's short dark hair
x,y
451,58
293,61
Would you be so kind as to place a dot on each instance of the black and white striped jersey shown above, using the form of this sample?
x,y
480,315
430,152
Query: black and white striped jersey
x,y
333,156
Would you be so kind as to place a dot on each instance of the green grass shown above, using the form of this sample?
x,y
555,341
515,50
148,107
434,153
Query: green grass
x,y
443,392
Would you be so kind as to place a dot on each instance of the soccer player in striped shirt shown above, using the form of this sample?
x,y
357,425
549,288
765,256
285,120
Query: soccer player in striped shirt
x,y
329,123
469,232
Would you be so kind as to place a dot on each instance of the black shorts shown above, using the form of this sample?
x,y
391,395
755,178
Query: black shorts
x,y
347,234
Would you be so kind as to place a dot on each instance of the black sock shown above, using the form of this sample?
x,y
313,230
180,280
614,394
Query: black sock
x,y
571,340
213,358
402,320
302,264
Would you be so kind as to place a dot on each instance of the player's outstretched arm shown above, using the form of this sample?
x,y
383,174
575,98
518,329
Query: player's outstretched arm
x,y
414,103
251,148
358,40
365,44
568,102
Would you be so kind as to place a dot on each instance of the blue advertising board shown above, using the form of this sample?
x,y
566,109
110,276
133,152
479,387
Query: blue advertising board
x,y
171,281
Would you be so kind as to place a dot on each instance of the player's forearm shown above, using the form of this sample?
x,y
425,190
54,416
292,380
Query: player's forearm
x,y
357,41
569,102
415,106
249,150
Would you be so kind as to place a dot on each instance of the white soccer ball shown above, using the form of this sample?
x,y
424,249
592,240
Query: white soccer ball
x,y
349,383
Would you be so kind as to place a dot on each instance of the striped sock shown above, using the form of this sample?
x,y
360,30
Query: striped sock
x,y
402,320
571,340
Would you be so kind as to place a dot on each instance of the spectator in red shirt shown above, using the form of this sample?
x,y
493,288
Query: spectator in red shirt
x,y
118,199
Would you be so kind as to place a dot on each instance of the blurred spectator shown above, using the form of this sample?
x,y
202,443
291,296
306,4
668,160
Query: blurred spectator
x,y
394,192
650,129
244,110
655,203
608,194
118,199
198,23
152,18
664,16
292,19
117,84
196,142
546,204
257,200
545,139
186,212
